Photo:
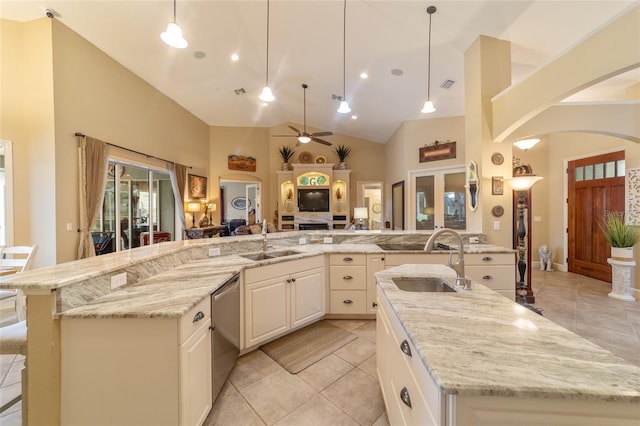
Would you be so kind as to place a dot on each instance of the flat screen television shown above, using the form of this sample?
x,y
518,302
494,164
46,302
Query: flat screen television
x,y
313,200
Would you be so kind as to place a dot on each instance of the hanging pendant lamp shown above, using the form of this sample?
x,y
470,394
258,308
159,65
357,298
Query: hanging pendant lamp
x,y
428,105
173,34
344,105
267,95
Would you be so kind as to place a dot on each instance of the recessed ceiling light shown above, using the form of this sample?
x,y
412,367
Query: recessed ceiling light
x,y
364,75
354,117
199,54
397,72
235,57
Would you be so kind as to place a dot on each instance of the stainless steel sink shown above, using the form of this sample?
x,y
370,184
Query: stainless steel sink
x,y
269,255
428,284
401,246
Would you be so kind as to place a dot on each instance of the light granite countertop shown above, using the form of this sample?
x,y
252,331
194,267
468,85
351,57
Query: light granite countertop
x,y
476,342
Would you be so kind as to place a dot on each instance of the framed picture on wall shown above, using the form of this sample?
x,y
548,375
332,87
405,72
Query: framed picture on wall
x,y
197,186
497,185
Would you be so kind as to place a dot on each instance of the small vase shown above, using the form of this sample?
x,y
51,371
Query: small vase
x,y
342,165
204,221
288,205
286,166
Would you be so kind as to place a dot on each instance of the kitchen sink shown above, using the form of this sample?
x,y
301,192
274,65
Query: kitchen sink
x,y
269,255
401,246
429,284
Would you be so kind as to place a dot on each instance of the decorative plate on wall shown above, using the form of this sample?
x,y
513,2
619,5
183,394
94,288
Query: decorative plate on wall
x,y
305,157
497,159
240,203
497,211
320,159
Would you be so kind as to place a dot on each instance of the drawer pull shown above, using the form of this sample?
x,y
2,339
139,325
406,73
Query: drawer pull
x,y
487,277
487,259
198,316
404,396
347,277
347,259
404,347
348,301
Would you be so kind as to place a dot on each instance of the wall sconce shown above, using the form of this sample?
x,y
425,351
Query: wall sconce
x,y
361,213
526,143
193,208
521,182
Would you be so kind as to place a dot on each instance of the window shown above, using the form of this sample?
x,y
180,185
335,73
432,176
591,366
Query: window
x,y
144,213
439,199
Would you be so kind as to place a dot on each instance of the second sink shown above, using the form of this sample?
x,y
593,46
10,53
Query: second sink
x,y
419,284
269,255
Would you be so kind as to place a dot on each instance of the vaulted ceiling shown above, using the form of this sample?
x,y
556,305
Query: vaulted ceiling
x,y
387,39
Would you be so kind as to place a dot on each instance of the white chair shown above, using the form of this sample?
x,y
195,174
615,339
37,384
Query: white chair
x,y
14,260
13,338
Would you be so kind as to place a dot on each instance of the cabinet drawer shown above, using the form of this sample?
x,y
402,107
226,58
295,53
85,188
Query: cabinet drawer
x,y
348,259
477,259
348,278
192,320
494,277
348,302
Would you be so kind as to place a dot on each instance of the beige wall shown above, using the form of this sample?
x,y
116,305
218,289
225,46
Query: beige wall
x,y
69,86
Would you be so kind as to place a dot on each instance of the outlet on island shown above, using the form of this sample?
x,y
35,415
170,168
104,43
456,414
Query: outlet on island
x,y
118,280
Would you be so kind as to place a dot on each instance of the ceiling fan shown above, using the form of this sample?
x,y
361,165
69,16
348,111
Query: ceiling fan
x,y
303,136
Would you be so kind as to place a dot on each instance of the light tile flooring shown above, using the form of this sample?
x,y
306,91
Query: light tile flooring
x,y
342,389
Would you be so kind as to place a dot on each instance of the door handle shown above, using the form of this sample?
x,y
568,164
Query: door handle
x,y
347,277
404,347
487,259
404,396
347,259
348,301
198,316
487,277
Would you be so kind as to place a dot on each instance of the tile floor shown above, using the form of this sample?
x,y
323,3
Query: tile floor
x,y
342,389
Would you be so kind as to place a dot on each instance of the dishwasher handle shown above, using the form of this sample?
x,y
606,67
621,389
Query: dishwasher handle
x,y
226,287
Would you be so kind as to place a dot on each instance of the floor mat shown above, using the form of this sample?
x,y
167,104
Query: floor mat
x,y
300,349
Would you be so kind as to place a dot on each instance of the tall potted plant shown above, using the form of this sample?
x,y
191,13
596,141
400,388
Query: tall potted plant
x,y
286,153
342,151
620,236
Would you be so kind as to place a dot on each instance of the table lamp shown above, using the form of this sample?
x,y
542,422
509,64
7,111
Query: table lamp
x,y
193,208
361,213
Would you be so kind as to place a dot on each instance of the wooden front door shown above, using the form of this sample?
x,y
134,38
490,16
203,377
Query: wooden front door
x,y
596,186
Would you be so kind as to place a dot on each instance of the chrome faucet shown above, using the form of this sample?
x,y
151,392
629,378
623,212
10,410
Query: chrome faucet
x,y
458,266
264,235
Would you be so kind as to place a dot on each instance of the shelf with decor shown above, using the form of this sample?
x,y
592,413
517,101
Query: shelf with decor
x,y
313,196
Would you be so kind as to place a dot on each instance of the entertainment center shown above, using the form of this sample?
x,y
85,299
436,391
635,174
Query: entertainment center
x,y
313,196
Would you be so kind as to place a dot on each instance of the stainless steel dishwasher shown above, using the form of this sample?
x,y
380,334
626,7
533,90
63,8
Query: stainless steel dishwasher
x,y
225,325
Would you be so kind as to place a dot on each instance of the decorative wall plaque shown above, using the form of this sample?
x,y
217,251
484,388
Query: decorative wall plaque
x,y
633,197
438,151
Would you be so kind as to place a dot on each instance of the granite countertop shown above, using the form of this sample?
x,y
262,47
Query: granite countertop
x,y
505,349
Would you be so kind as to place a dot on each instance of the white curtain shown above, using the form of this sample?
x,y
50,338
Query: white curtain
x,y
94,161
178,175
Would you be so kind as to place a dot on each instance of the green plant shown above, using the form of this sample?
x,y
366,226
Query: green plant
x,y
617,233
286,153
342,151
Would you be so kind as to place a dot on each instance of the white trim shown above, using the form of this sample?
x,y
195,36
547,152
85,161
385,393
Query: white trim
x,y
8,181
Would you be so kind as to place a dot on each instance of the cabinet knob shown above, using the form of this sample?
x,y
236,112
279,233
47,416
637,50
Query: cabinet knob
x,y
487,259
348,301
198,316
487,277
404,347
374,305
212,326
347,277
347,259
404,396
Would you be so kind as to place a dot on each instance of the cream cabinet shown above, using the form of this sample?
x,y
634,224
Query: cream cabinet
x,y
494,270
133,371
347,283
282,297
375,263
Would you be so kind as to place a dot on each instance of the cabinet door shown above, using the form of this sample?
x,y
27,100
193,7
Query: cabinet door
x,y
375,263
195,377
267,310
307,297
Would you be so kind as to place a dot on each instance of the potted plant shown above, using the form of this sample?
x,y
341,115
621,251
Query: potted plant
x,y
342,151
286,153
620,236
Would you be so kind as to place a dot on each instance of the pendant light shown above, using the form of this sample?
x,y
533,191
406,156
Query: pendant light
x,y
344,105
428,105
267,95
173,35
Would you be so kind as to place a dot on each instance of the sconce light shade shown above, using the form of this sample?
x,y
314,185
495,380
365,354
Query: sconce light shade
x,y
344,107
360,213
428,107
214,207
523,183
526,143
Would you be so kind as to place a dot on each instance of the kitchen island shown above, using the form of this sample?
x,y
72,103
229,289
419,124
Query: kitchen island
x,y
472,357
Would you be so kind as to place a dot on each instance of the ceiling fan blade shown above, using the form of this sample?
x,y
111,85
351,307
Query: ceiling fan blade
x,y
284,136
322,134
294,129
322,141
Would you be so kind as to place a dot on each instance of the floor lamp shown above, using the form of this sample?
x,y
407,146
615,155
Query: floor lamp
x,y
523,179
